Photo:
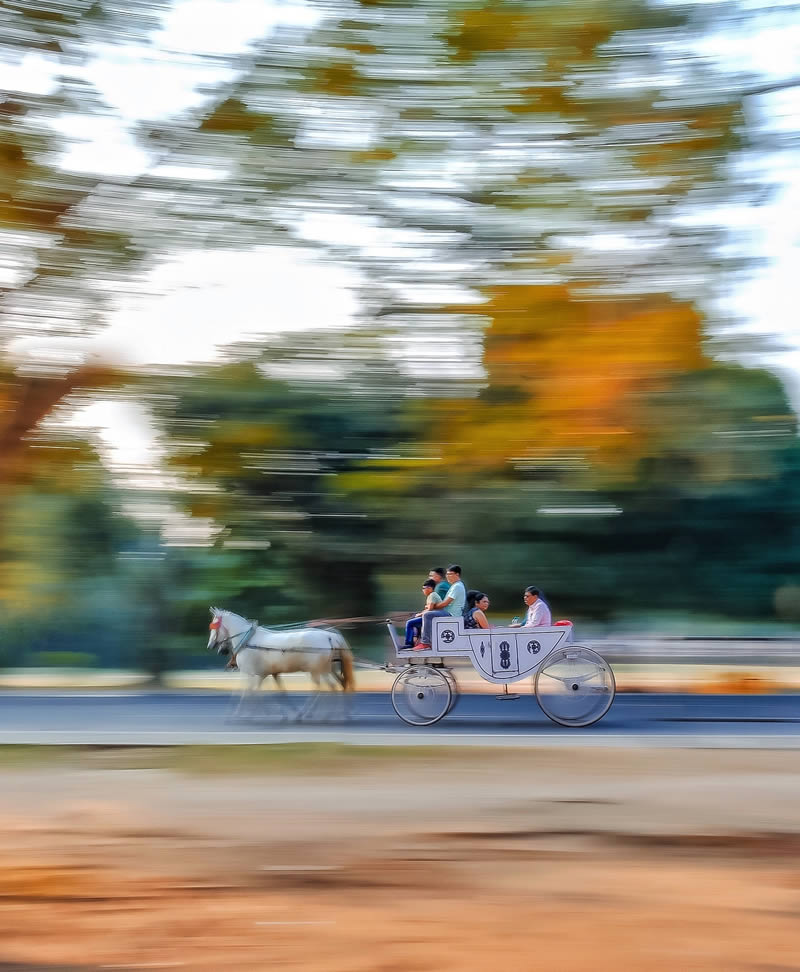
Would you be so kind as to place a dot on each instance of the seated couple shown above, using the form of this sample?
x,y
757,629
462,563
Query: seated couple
x,y
471,606
538,613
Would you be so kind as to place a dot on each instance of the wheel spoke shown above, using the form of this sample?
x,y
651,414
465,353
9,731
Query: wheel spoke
x,y
573,678
574,686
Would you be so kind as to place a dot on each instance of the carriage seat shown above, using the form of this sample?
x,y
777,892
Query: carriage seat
x,y
459,621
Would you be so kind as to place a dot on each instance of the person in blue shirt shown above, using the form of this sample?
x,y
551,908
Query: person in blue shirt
x,y
442,587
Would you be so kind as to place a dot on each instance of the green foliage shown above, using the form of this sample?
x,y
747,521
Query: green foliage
x,y
708,522
64,659
787,602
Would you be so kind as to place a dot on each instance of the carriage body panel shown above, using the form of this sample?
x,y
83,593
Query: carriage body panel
x,y
501,655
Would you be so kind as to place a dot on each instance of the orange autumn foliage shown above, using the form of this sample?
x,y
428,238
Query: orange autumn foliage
x,y
568,376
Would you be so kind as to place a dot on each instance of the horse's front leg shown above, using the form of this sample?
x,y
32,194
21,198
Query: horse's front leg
x,y
250,685
285,704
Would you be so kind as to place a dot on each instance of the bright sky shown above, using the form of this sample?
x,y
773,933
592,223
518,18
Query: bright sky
x,y
214,299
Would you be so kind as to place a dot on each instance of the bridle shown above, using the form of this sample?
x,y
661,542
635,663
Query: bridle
x,y
243,636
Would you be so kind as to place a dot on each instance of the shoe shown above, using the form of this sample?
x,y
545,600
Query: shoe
x,y
407,647
422,647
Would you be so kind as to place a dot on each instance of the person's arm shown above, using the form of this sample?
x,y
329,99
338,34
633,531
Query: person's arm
x,y
420,613
480,618
431,604
449,600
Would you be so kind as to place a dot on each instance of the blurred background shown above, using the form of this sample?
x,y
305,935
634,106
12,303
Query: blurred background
x,y
300,300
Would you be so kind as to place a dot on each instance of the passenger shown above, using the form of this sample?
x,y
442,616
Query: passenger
x,y
452,606
538,612
414,625
442,587
475,611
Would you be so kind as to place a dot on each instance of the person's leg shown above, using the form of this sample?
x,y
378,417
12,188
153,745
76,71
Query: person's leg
x,y
413,627
427,621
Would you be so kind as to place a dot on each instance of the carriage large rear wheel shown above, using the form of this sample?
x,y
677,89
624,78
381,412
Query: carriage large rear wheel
x,y
421,695
575,686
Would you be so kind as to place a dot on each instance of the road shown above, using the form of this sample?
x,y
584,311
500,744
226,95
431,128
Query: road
x,y
172,718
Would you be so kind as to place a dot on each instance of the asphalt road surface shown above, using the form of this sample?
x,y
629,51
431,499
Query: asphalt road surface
x,y
173,718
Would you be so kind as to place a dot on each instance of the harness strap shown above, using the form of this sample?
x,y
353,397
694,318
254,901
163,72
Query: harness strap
x,y
243,639
246,635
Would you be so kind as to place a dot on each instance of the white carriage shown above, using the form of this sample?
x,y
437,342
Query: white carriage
x,y
574,686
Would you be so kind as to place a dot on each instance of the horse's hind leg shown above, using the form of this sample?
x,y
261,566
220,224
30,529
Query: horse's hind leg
x,y
338,701
344,699
333,700
337,672
314,698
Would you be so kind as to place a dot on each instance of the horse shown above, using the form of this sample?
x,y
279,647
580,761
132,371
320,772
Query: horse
x,y
259,652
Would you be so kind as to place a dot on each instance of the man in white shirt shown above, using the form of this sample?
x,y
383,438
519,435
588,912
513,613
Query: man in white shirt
x,y
538,612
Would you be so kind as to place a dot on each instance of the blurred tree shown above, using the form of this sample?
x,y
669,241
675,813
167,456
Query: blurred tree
x,y
542,179
272,465
327,505
67,240
66,252
62,588
65,248
487,144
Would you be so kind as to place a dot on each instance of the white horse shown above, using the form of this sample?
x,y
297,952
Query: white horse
x,y
259,652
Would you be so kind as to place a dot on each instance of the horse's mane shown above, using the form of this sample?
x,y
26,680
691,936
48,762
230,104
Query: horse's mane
x,y
222,612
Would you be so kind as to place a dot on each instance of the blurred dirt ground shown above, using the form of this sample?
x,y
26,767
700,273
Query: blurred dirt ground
x,y
328,858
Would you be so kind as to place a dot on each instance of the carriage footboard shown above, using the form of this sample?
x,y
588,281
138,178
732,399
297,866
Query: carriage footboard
x,y
393,635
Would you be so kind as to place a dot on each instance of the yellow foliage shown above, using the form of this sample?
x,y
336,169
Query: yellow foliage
x,y
340,79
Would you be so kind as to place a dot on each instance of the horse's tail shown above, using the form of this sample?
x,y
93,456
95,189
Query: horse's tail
x,y
346,657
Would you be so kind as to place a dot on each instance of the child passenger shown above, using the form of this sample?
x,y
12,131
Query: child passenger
x,y
414,625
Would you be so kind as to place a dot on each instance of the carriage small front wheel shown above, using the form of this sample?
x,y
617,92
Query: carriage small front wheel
x,y
575,686
421,695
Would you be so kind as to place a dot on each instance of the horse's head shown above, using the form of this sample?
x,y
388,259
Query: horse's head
x,y
218,633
